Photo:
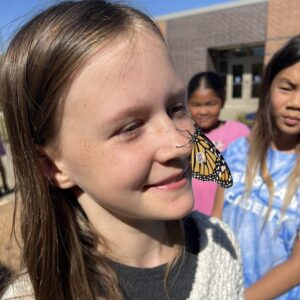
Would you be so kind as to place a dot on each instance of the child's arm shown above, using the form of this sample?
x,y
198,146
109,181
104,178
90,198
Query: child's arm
x,y
278,280
218,204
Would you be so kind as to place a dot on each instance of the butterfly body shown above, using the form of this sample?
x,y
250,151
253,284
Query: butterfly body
x,y
207,162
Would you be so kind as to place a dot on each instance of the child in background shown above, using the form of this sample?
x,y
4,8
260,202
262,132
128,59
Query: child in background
x,y
263,205
92,106
206,98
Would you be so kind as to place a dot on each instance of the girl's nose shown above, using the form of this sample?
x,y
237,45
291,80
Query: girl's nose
x,y
203,110
173,140
294,102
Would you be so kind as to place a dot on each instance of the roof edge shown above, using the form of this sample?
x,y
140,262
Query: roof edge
x,y
211,8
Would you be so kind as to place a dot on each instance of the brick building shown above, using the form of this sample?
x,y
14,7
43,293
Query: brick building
x,y
235,39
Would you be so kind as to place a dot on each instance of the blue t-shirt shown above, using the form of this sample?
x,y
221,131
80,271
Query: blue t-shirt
x,y
264,244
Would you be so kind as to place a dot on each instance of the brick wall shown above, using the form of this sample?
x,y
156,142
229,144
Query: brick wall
x,y
189,37
283,23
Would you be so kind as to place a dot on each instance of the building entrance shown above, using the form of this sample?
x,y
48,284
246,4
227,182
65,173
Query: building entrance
x,y
243,79
241,70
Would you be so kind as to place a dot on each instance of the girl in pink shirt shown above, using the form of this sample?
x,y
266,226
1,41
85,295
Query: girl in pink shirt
x,y
206,98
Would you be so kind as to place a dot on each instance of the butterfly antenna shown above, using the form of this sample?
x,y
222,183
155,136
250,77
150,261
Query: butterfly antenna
x,y
188,116
184,130
183,145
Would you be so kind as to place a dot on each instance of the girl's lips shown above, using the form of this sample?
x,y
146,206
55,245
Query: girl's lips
x,y
171,183
203,120
291,121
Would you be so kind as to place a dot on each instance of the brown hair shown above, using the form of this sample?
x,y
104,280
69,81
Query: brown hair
x,y
59,244
264,128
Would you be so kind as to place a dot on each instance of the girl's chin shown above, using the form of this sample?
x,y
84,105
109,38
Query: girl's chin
x,y
180,212
205,126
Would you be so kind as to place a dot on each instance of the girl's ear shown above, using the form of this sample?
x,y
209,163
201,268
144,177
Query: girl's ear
x,y
52,169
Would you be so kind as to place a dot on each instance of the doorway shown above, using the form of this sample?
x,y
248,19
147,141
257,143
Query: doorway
x,y
241,71
243,79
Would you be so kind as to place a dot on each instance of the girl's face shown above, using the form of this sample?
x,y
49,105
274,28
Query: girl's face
x,y
118,139
285,100
205,107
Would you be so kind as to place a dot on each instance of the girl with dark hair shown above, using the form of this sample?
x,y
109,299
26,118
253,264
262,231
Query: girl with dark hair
x,y
263,205
206,98
102,177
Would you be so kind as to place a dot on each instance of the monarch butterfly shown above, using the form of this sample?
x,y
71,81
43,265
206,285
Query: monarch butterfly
x,y
207,162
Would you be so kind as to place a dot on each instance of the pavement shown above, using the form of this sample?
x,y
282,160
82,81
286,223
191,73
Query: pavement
x,y
10,250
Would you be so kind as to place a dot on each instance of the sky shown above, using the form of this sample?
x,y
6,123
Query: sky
x,y
13,13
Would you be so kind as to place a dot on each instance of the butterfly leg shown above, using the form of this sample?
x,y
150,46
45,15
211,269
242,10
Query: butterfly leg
x,y
184,130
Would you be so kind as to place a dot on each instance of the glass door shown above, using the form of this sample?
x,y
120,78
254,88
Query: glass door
x,y
243,80
237,81
256,78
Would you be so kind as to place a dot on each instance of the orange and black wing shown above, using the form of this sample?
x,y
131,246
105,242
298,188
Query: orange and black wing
x,y
207,162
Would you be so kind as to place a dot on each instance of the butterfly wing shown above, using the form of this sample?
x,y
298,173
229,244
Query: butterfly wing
x,y
207,162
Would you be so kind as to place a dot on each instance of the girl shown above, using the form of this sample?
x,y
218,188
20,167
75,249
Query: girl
x,y
206,98
263,206
104,182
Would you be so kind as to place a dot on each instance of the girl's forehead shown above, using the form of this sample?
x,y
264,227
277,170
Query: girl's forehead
x,y
292,72
204,92
127,43
137,68
121,52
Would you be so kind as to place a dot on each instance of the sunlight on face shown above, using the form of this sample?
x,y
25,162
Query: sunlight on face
x,y
285,100
118,135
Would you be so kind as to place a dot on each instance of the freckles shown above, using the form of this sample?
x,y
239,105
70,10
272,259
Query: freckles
x,y
130,160
83,153
85,147
278,99
136,161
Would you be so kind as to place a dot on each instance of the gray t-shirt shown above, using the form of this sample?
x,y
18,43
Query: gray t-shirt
x,y
148,283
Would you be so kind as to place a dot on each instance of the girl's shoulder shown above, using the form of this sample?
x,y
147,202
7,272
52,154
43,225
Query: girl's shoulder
x,y
219,266
20,288
214,231
227,133
236,129
236,125
238,147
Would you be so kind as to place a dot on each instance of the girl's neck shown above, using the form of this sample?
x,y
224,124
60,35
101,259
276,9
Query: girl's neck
x,y
137,243
285,143
137,248
216,125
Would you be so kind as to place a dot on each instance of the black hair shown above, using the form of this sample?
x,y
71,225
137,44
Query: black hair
x,y
211,80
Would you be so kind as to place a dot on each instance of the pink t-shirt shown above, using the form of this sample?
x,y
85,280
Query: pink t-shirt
x,y
204,192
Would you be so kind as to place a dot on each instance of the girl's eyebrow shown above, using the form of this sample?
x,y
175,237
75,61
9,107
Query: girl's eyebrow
x,y
288,81
138,109
123,114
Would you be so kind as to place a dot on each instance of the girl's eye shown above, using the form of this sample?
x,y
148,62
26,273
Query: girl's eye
x,y
177,111
285,88
131,128
212,103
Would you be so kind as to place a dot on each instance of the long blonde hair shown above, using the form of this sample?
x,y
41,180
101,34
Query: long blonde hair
x,y
59,244
264,129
